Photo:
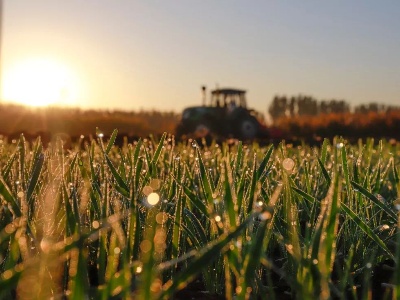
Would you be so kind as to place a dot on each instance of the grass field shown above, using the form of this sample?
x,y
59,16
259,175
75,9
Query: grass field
x,y
159,219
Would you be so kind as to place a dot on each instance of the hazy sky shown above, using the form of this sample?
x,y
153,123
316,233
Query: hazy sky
x,y
156,54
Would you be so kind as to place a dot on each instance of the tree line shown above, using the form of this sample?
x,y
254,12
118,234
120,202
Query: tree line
x,y
298,106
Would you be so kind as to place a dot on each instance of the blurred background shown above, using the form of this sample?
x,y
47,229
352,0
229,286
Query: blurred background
x,y
123,64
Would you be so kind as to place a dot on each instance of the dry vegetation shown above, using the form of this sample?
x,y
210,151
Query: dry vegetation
x,y
73,123
16,119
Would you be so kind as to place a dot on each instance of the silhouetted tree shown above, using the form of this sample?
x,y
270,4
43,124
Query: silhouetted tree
x,y
278,107
307,106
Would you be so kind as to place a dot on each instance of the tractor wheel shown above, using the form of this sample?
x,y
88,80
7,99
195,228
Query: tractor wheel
x,y
247,128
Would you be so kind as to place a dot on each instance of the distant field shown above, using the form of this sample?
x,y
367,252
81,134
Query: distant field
x,y
158,219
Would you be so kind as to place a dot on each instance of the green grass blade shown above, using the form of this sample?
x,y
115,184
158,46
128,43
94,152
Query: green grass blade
x,y
7,168
303,194
252,189
239,158
156,156
205,180
193,222
375,200
365,228
202,258
229,196
195,200
111,141
121,184
346,170
264,162
324,151
5,192
324,172
36,170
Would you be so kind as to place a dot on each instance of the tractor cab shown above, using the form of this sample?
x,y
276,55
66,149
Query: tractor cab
x,y
228,97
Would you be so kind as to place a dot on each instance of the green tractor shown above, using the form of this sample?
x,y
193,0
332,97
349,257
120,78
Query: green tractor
x,y
225,116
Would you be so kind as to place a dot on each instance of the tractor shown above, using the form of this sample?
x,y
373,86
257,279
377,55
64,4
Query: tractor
x,y
225,116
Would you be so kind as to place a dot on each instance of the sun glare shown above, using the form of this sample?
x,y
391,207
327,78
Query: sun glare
x,y
40,82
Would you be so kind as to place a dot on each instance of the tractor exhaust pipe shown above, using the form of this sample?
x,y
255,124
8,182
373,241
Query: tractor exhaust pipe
x,y
203,94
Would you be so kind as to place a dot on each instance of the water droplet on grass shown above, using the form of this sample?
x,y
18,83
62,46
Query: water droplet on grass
x,y
161,218
45,245
145,246
155,184
95,224
385,227
266,215
147,190
139,269
288,164
339,145
153,198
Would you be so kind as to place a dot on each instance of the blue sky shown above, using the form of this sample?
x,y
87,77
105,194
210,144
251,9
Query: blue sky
x,y
156,54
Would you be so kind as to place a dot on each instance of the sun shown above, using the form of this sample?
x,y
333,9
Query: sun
x,y
40,82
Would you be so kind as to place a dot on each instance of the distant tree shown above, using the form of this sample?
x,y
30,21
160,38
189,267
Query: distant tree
x,y
324,107
375,108
292,107
278,108
307,106
339,106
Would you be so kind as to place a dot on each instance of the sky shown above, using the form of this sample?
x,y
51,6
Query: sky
x,y
144,55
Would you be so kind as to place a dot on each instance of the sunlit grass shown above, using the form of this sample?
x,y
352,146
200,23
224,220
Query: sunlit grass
x,y
148,219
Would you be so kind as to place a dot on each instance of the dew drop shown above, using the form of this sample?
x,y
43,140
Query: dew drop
x,y
385,227
45,245
153,198
95,224
139,269
288,164
161,217
259,203
155,184
147,190
266,215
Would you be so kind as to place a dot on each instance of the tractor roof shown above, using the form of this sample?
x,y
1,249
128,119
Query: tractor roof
x,y
228,91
